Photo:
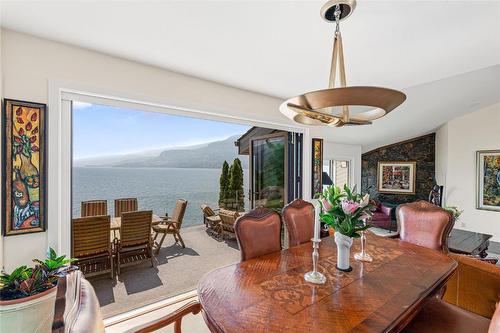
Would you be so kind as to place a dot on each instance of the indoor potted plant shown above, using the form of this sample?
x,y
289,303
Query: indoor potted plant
x,y
455,211
27,295
346,212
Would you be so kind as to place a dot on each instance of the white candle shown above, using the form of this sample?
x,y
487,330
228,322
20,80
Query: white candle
x,y
317,210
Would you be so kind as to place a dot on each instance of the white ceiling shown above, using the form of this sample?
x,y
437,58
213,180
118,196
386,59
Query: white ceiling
x,y
283,48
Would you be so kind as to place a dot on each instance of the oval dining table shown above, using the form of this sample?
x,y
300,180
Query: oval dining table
x,y
269,294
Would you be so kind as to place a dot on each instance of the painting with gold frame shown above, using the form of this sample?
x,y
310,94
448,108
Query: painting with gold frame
x,y
396,177
317,167
488,180
24,183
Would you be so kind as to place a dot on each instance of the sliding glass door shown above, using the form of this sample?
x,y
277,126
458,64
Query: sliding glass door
x,y
268,169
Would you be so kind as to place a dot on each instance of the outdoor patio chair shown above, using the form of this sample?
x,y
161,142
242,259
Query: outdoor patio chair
x,y
171,226
92,246
94,208
125,205
228,218
212,220
135,244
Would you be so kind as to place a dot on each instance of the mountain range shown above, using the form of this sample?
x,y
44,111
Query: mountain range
x,y
208,155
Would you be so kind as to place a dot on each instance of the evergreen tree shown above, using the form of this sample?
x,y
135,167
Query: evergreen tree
x,y
236,185
224,185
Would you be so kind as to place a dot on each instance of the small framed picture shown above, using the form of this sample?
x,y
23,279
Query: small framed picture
x,y
24,189
488,180
396,177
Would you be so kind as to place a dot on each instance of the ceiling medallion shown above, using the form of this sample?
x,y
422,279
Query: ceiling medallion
x,y
343,105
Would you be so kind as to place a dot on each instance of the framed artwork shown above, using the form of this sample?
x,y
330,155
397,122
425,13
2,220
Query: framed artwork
x,y
396,177
488,180
24,181
317,167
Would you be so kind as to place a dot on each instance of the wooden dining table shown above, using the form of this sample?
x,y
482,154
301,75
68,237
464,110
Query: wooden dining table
x,y
269,294
116,222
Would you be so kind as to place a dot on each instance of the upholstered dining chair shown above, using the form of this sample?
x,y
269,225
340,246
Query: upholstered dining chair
x,y
258,232
94,208
298,217
424,224
125,205
77,309
437,316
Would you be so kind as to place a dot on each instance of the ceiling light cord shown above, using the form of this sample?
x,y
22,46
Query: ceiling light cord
x,y
338,60
337,14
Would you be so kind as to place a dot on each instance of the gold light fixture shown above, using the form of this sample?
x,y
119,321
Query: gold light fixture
x,y
331,106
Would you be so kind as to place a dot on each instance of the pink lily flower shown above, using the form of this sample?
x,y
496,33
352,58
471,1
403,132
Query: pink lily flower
x,y
349,207
326,205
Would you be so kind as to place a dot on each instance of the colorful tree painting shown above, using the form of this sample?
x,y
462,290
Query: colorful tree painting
x,y
25,188
491,179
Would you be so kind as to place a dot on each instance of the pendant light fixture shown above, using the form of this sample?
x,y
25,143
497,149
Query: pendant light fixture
x,y
343,105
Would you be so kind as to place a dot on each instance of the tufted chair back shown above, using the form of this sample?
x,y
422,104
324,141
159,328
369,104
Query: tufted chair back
x,y
258,233
424,224
298,217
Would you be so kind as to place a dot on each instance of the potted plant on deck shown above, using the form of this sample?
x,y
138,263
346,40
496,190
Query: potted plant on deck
x,y
346,212
27,295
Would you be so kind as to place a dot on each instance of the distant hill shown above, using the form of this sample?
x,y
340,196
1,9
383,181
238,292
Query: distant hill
x,y
210,155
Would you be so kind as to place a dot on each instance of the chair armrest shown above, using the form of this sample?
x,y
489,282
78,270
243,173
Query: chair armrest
x,y
193,307
475,286
385,209
172,225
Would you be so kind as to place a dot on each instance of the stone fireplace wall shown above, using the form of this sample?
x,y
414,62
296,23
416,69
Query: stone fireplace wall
x,y
420,150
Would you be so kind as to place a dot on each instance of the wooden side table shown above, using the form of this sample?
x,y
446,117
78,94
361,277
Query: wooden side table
x,y
468,242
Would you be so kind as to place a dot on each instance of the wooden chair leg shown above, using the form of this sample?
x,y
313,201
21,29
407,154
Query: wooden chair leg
x,y
111,259
180,239
150,250
118,262
156,236
177,326
161,243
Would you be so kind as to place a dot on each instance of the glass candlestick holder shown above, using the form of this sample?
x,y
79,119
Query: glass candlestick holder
x,y
314,276
363,255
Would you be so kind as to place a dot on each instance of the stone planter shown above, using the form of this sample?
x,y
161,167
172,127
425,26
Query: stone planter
x,y
30,314
343,251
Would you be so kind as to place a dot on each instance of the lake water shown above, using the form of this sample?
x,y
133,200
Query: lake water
x,y
156,189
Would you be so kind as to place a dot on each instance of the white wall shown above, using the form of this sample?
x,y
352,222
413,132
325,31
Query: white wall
x,y
31,65
456,146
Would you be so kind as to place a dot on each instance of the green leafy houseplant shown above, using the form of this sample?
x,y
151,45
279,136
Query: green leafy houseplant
x,y
26,281
345,210
454,211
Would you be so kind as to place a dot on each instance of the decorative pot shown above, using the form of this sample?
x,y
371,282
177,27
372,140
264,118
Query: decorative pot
x,y
343,251
30,314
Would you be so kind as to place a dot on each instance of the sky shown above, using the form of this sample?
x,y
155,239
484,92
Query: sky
x,y
100,130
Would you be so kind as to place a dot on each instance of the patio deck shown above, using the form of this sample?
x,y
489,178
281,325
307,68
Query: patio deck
x,y
177,270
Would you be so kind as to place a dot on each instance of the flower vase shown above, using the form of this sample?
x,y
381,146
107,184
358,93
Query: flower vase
x,y
344,244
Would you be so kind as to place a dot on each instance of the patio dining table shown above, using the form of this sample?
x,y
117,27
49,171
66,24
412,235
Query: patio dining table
x,y
116,222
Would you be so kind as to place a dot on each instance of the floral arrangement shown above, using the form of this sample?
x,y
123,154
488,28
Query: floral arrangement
x,y
345,210
454,211
26,281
